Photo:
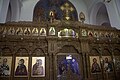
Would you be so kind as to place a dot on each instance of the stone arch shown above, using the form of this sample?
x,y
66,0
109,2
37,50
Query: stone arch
x,y
97,14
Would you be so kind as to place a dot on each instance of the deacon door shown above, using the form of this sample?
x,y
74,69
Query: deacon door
x,y
68,66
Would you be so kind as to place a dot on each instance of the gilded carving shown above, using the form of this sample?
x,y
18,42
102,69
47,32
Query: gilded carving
x,y
52,31
84,32
42,32
27,31
35,32
19,31
11,31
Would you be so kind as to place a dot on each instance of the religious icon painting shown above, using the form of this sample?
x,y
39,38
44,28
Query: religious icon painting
x,y
95,64
35,32
38,67
21,67
84,32
42,32
5,66
107,63
52,31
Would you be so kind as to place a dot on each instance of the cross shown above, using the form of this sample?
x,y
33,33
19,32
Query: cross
x,y
67,8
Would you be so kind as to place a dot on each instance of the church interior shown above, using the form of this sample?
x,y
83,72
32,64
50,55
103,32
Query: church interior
x,y
59,39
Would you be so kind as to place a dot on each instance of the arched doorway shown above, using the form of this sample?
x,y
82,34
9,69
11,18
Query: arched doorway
x,y
68,64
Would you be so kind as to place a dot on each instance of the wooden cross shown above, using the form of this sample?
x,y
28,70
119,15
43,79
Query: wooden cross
x,y
66,7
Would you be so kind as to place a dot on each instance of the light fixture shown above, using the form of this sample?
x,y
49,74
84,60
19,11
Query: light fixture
x,y
69,57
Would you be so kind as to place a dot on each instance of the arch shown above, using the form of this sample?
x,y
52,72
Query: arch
x,y
43,7
38,51
6,50
94,52
106,52
22,51
97,14
102,15
69,53
68,49
116,52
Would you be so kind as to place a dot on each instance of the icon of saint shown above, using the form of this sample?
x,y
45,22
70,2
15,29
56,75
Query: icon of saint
x,y
38,68
95,66
4,68
107,65
21,68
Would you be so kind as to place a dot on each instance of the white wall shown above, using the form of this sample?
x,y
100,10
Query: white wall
x,y
27,10
101,18
117,2
113,14
112,10
93,10
4,11
15,7
28,7
1,2
80,7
